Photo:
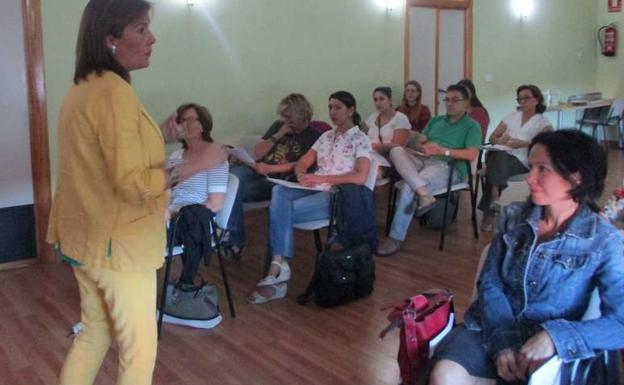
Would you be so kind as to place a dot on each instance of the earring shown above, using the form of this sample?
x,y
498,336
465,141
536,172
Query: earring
x,y
113,49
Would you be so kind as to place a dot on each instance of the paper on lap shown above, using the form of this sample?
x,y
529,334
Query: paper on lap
x,y
495,147
381,161
320,187
242,155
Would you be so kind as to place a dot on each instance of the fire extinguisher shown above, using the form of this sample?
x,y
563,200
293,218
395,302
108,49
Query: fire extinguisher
x,y
607,36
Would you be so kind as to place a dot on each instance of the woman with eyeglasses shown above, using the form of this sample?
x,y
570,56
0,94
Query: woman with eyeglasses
x,y
199,198
387,128
508,155
411,105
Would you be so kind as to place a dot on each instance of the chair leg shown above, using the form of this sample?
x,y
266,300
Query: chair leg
x,y
317,241
443,228
163,293
473,207
228,293
391,203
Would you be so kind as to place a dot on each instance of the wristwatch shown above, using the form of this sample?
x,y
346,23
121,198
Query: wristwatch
x,y
447,152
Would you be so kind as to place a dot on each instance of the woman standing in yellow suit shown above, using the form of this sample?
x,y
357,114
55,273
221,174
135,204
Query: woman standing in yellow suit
x,y
107,218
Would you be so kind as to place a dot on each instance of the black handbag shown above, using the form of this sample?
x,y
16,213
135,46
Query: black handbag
x,y
344,275
341,276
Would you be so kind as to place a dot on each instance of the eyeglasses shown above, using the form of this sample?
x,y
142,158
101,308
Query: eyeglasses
x,y
189,119
524,99
452,100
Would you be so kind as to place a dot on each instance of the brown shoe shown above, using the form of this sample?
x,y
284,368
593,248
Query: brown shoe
x,y
388,247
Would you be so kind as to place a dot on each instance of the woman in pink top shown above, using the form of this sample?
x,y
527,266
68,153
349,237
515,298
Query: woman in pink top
x,y
476,110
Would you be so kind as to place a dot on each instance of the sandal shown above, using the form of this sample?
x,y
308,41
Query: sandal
x,y
283,276
279,292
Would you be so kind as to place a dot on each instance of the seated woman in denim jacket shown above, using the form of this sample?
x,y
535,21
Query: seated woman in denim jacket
x,y
544,261
342,156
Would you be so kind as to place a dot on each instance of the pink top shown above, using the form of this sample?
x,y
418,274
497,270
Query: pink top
x,y
482,117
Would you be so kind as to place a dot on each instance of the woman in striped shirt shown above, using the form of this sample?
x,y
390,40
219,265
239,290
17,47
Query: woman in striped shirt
x,y
207,187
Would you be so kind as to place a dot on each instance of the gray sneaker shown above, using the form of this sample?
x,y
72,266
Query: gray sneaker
x,y
388,247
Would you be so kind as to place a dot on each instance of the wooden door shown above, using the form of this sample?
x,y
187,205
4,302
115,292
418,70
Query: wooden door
x,y
25,173
438,46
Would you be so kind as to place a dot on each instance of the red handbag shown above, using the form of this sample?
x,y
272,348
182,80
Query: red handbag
x,y
420,318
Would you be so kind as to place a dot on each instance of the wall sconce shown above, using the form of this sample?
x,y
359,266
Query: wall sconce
x,y
522,8
389,5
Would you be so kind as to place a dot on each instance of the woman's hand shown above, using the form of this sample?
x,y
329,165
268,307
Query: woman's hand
x,y
537,350
170,128
309,180
508,366
263,168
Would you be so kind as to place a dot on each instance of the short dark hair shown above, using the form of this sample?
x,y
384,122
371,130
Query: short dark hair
x,y
572,151
346,98
537,94
469,85
457,88
101,18
204,117
384,90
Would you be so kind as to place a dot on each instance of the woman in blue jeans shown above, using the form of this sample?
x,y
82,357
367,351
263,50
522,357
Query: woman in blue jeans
x,y
546,258
342,156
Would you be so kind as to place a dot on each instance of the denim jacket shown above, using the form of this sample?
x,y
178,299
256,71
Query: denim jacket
x,y
525,287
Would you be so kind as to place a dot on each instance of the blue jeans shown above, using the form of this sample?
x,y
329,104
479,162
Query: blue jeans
x,y
290,206
252,187
435,177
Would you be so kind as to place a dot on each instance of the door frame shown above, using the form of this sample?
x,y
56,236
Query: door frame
x,y
466,6
38,125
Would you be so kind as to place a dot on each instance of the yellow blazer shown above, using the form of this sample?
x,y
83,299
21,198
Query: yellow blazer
x,y
110,199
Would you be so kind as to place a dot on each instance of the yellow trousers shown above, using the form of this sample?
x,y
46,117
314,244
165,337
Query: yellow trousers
x,y
119,306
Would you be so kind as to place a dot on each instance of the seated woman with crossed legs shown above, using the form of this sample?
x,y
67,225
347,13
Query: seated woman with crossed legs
x,y
512,137
387,128
556,240
342,156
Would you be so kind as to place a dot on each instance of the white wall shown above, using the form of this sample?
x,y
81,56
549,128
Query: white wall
x,y
15,168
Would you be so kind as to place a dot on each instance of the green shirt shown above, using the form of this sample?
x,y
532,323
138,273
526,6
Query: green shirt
x,y
463,134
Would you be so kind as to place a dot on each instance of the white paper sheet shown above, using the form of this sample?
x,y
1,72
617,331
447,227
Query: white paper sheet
x,y
242,155
381,161
320,187
436,340
547,374
495,147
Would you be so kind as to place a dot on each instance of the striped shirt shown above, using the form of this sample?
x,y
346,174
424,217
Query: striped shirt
x,y
197,188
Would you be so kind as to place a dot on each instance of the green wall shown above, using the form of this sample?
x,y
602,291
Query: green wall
x,y
553,48
239,57
609,78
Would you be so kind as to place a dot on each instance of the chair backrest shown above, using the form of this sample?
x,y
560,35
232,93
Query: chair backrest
x,y
617,108
248,142
372,174
223,215
320,126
